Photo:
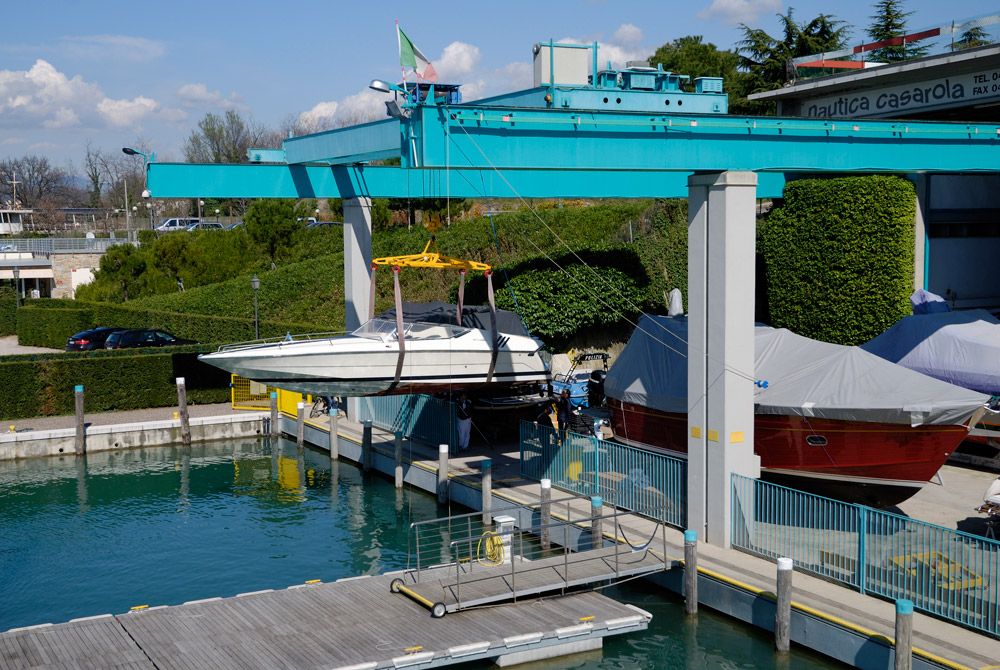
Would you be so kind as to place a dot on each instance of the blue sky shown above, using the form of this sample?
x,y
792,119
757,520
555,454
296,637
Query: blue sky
x,y
110,73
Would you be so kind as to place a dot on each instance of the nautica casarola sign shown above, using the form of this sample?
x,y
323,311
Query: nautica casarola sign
x,y
955,90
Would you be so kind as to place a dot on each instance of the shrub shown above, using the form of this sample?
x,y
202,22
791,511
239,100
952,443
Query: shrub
x,y
8,311
40,325
839,257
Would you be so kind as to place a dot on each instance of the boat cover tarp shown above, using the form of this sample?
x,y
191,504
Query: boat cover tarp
x,y
473,316
961,348
804,378
925,302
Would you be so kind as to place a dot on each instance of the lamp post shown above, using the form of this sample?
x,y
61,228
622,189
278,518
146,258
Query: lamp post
x,y
216,216
17,288
201,203
255,284
149,210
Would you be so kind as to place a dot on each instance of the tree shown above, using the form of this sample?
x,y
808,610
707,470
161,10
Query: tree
x,y
972,38
888,22
272,225
766,61
37,180
224,139
690,56
111,174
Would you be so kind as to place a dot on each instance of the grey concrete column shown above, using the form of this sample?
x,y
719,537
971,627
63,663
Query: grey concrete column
x,y
721,272
596,522
399,459
783,607
182,405
921,182
366,446
690,572
334,438
357,260
442,473
81,426
545,513
274,414
904,635
486,468
300,424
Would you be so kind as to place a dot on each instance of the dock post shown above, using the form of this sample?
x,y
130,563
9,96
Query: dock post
x,y
81,445
334,439
783,609
691,572
274,414
545,514
904,633
182,405
442,473
300,429
596,527
366,446
399,459
486,468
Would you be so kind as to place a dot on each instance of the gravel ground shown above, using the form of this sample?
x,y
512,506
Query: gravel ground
x,y
9,347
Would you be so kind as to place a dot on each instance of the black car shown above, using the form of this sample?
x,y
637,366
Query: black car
x,y
90,339
143,337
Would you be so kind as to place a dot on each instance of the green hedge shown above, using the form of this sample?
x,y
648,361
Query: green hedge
x,y
36,385
8,311
838,257
47,323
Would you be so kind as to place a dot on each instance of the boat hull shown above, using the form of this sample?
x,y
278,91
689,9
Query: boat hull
x,y
875,464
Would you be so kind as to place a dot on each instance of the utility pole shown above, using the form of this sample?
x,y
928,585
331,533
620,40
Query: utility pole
x,y
14,182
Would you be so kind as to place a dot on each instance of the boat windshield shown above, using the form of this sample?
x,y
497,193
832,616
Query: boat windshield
x,y
382,329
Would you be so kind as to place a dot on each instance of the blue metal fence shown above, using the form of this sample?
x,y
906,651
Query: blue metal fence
x,y
945,572
420,417
639,479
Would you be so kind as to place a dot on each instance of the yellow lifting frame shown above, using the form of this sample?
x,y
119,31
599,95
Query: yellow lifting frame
x,y
431,259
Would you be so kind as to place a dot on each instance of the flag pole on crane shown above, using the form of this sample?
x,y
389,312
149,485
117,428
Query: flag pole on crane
x,y
411,56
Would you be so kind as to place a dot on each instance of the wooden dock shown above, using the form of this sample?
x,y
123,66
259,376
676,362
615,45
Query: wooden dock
x,y
356,623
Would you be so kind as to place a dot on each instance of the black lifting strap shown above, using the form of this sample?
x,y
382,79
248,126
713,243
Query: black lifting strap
x,y
371,295
461,295
494,337
400,335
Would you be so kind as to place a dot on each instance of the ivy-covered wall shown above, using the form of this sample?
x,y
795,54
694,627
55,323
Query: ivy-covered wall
x,y
838,256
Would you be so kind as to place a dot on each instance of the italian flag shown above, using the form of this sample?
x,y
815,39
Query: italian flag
x,y
411,56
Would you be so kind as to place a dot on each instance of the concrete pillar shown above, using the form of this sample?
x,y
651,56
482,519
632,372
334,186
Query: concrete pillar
x,y
366,446
274,414
690,572
182,405
904,635
545,513
442,473
721,272
783,607
596,522
920,247
81,426
486,468
399,459
357,260
300,424
334,438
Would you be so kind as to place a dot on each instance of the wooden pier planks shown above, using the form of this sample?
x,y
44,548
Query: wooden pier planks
x,y
89,643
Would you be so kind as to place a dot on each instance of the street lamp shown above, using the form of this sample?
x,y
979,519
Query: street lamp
x,y
255,284
149,210
17,289
216,216
201,203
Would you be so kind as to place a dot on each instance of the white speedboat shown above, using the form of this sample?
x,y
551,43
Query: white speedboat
x,y
435,357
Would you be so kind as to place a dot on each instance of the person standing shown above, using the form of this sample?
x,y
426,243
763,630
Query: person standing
x,y
463,411
563,409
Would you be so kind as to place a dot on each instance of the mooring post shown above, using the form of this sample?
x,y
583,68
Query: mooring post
x,y
486,468
334,438
274,414
442,473
300,425
182,405
366,445
691,572
904,634
81,445
783,608
596,527
399,459
545,514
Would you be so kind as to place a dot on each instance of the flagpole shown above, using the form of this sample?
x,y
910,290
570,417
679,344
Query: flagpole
x,y
399,46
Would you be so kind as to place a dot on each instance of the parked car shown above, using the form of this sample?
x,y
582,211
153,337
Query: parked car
x,y
317,224
176,223
91,339
205,225
234,225
143,337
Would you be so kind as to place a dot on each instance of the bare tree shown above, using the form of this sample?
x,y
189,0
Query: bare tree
x,y
224,139
36,179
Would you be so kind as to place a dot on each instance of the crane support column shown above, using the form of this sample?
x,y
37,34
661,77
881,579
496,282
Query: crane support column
x,y
357,270
721,257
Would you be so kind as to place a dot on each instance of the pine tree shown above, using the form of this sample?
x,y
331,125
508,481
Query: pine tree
x,y
889,21
972,38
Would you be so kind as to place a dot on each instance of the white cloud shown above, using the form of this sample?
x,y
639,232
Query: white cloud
x,y
113,47
64,118
198,95
127,113
734,12
319,117
12,140
627,34
457,60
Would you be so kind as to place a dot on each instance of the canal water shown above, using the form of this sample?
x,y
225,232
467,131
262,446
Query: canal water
x,y
164,525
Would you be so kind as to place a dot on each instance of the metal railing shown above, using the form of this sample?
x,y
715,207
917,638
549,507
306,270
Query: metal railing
x,y
421,417
48,245
945,572
583,464
247,394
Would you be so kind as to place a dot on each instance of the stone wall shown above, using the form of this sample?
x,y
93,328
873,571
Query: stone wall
x,y
63,265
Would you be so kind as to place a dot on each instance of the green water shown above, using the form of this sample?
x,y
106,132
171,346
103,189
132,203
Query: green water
x,y
160,526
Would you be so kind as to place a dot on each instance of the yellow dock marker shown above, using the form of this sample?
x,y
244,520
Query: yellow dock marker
x,y
138,607
413,650
314,581
586,618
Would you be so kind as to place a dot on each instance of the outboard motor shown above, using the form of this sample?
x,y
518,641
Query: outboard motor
x,y
595,388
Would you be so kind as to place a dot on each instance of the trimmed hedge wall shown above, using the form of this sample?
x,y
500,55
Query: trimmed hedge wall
x,y
8,311
838,257
36,385
48,322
